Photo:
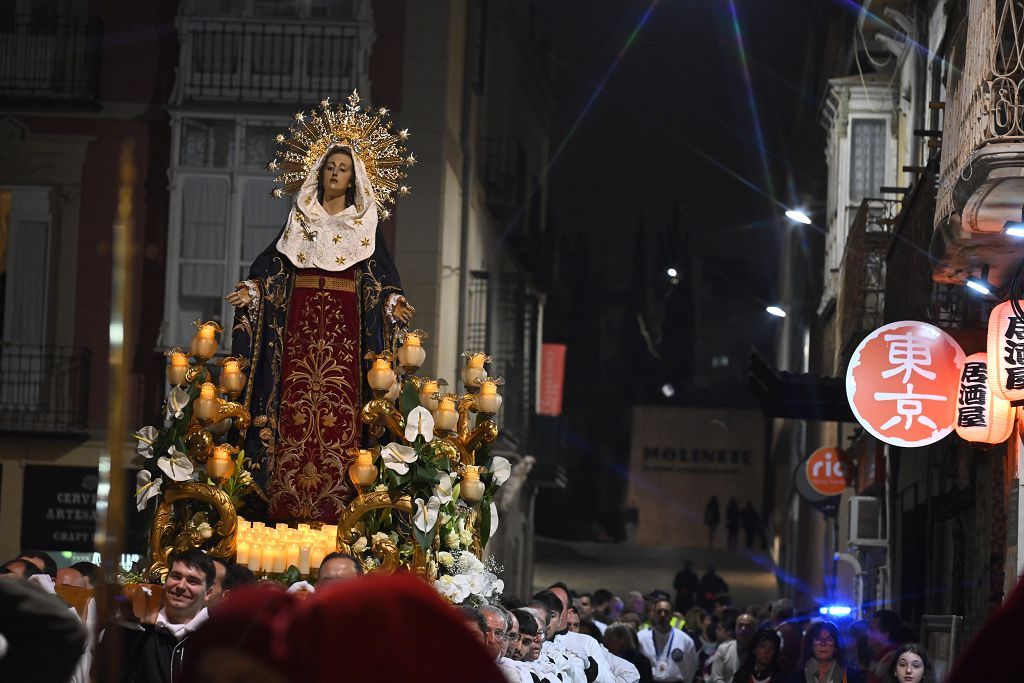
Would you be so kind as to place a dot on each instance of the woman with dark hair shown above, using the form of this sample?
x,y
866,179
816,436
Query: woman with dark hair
x,y
910,665
823,652
762,662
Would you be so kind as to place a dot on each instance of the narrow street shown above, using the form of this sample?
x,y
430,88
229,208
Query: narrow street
x,y
624,567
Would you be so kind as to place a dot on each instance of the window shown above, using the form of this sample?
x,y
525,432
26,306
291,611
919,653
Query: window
x,y
223,216
867,158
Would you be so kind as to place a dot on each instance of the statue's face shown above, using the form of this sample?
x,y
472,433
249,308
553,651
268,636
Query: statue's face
x,y
336,175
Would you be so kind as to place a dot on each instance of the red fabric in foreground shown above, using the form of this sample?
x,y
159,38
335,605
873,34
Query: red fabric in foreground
x,y
988,657
251,620
319,416
393,628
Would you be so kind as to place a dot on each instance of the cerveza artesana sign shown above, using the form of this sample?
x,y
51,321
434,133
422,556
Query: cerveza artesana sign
x,y
695,460
59,508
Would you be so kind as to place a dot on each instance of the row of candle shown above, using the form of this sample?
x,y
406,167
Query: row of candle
x,y
273,549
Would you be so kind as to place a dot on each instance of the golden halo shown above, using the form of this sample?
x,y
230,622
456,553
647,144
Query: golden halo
x,y
366,133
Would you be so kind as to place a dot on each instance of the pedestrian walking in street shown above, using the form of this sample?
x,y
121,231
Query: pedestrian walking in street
x,y
751,522
711,585
685,584
712,516
732,523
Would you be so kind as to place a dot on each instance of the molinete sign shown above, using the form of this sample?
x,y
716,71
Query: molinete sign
x,y
685,463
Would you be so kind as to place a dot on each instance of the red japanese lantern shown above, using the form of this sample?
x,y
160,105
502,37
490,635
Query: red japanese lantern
x,y
1006,352
981,416
902,383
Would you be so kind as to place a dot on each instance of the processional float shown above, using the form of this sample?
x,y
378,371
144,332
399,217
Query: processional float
x,y
424,477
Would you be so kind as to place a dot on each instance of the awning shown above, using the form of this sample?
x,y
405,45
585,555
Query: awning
x,y
797,396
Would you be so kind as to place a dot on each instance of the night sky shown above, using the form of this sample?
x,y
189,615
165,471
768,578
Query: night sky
x,y
674,124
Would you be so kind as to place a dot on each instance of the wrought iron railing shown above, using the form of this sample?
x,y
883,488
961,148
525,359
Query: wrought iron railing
x,y
860,305
44,389
504,175
284,61
985,92
49,58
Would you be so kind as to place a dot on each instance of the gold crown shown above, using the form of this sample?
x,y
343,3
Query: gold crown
x,y
366,133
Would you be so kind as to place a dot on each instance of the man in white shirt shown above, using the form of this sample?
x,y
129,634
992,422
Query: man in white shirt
x,y
609,667
672,653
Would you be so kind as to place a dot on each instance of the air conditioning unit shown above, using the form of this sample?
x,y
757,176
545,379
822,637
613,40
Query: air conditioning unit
x,y
867,521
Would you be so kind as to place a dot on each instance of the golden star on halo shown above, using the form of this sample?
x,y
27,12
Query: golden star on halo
x,y
337,238
301,257
358,221
340,260
366,241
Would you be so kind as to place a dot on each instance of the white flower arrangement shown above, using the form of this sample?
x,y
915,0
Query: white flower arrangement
x,y
467,580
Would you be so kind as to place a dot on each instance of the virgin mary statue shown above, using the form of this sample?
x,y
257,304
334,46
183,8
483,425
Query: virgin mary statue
x,y
317,299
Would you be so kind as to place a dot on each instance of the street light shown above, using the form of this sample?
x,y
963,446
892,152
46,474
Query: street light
x,y
798,216
668,390
776,311
1014,228
672,272
979,285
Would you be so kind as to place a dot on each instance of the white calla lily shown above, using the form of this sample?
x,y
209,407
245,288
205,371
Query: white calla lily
x,y
501,468
419,423
176,465
147,437
397,457
444,489
147,488
176,402
494,520
426,514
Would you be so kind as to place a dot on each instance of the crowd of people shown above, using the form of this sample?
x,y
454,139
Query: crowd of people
x,y
217,623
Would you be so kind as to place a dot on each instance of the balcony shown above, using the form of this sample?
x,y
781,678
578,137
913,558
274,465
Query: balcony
x,y
290,62
49,59
860,306
44,390
981,172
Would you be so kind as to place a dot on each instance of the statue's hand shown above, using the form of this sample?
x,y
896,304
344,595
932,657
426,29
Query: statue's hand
x,y
403,311
240,297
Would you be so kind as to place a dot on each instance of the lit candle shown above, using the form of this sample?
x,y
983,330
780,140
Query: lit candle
x,y
474,370
242,552
488,400
204,344
411,354
281,526
317,554
176,369
292,559
445,417
380,376
303,560
363,472
279,560
427,400
220,466
472,489
260,525
255,556
207,403
231,379
303,527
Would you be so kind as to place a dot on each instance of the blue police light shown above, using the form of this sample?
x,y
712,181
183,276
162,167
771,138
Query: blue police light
x,y
836,610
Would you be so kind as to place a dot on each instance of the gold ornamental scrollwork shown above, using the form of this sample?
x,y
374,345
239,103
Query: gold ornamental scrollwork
x,y
169,533
360,507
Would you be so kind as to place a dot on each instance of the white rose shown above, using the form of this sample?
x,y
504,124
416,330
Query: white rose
x,y
446,559
467,538
379,536
380,487
359,546
452,540
205,530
